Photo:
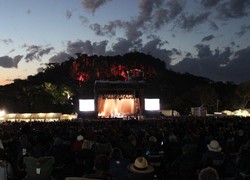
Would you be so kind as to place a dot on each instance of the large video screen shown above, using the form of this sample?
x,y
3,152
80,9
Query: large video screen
x,y
86,105
152,104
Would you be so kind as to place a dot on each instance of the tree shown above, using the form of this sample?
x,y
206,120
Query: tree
x,y
243,91
207,96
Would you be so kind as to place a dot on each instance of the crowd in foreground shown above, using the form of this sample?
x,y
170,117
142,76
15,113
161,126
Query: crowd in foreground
x,y
174,148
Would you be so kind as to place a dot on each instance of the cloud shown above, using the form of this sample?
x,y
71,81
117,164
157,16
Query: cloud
x,y
188,22
203,50
68,14
166,12
83,20
108,29
122,46
59,58
28,11
218,65
234,9
36,52
87,47
207,38
209,3
243,30
213,25
92,5
8,62
97,29
238,68
6,41
12,50
152,15
153,47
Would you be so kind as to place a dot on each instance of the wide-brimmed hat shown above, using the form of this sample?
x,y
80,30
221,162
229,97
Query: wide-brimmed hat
x,y
141,166
214,146
79,138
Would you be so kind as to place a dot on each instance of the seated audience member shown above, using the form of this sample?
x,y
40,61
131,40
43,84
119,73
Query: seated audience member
x,y
172,149
186,166
208,173
140,170
103,148
118,164
39,168
101,169
243,162
153,150
214,157
77,145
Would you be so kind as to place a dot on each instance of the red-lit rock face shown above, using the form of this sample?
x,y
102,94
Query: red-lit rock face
x,y
88,69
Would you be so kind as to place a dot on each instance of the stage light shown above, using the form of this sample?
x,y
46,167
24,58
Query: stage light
x,y
2,113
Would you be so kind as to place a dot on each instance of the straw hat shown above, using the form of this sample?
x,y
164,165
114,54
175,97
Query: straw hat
x,y
214,146
79,138
141,166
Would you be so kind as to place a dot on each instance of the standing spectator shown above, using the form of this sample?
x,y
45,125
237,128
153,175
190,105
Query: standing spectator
x,y
214,157
6,171
243,162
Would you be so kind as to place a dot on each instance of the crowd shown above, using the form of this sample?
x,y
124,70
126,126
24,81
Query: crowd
x,y
174,148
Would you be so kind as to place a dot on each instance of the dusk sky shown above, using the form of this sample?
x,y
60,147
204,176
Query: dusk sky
x,y
209,38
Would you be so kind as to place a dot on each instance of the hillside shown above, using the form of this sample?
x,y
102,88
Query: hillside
x,y
49,90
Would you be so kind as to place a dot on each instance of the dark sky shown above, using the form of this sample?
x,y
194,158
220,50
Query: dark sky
x,y
207,38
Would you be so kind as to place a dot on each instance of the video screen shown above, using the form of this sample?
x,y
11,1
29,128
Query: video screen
x,y
86,105
152,104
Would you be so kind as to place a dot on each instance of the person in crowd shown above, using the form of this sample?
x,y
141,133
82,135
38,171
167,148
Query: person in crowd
x,y
39,148
39,168
186,165
77,145
101,169
173,149
140,170
118,164
208,173
243,162
214,157
88,156
6,170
